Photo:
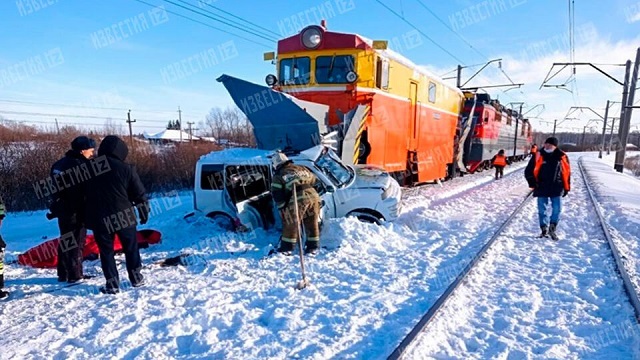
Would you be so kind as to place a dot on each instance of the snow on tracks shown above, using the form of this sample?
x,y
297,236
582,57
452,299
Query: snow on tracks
x,y
538,298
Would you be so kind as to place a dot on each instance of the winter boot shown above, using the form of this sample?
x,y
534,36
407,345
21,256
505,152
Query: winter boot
x,y
141,282
108,290
552,231
544,232
311,248
285,247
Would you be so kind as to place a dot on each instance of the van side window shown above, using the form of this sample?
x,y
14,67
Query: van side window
x,y
432,92
211,177
246,181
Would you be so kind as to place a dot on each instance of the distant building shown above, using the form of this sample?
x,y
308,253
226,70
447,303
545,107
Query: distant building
x,y
169,136
631,147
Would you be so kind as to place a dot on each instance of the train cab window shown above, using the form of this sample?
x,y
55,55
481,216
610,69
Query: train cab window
x,y
295,71
382,73
432,92
333,69
523,129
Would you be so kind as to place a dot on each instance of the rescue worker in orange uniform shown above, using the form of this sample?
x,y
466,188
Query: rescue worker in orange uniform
x,y
286,176
534,150
549,174
499,161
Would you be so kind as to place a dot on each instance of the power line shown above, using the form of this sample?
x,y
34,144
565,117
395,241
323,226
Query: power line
x,y
420,31
207,25
451,29
71,116
241,19
216,17
465,41
69,123
81,106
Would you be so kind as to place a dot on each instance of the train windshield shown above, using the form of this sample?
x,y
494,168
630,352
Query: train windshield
x,y
295,71
333,69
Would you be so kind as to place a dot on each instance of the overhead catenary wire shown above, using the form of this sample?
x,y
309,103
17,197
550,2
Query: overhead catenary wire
x,y
420,31
241,19
207,25
221,19
485,57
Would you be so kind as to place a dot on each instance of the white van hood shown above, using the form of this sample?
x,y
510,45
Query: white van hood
x,y
371,177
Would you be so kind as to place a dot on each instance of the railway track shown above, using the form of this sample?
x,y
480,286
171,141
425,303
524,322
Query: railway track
x,y
619,261
435,309
438,305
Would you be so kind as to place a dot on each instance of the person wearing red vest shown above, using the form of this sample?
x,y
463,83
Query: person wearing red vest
x,y
549,175
499,161
534,150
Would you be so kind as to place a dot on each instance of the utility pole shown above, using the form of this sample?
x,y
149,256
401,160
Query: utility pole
x,y
190,131
625,114
613,124
180,122
554,127
129,121
459,76
515,138
604,129
57,126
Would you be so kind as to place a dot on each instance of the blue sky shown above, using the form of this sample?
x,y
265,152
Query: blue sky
x,y
123,54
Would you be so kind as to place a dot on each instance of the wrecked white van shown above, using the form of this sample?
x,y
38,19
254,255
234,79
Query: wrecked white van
x,y
232,187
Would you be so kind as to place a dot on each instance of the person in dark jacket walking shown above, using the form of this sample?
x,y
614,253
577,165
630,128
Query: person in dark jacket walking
x,y
112,196
68,205
499,161
549,174
3,294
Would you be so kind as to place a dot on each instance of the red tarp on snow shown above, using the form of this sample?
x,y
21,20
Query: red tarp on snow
x,y
45,255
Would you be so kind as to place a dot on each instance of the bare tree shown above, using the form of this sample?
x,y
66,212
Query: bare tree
x,y
110,127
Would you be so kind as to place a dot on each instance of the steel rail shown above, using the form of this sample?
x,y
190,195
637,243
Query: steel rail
x,y
437,306
628,285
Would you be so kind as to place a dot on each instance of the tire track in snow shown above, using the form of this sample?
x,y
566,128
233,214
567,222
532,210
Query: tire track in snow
x,y
536,297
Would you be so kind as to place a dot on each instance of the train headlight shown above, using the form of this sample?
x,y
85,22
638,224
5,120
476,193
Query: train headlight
x,y
271,80
311,37
351,76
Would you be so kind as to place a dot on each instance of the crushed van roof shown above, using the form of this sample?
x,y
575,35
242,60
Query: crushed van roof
x,y
237,154
251,155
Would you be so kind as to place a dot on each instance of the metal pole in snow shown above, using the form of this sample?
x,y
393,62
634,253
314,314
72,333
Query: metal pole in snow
x,y
604,129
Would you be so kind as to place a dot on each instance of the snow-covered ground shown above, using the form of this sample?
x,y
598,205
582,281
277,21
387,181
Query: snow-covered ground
x,y
367,290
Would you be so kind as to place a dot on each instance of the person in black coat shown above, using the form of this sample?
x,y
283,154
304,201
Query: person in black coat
x,y
112,196
549,174
68,205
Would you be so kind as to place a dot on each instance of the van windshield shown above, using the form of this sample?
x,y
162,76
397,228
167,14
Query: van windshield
x,y
339,174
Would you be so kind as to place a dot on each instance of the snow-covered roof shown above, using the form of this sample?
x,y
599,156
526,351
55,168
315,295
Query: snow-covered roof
x,y
173,135
406,62
630,145
254,156
249,155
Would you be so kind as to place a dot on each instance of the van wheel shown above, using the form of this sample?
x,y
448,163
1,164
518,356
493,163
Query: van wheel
x,y
222,220
367,217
